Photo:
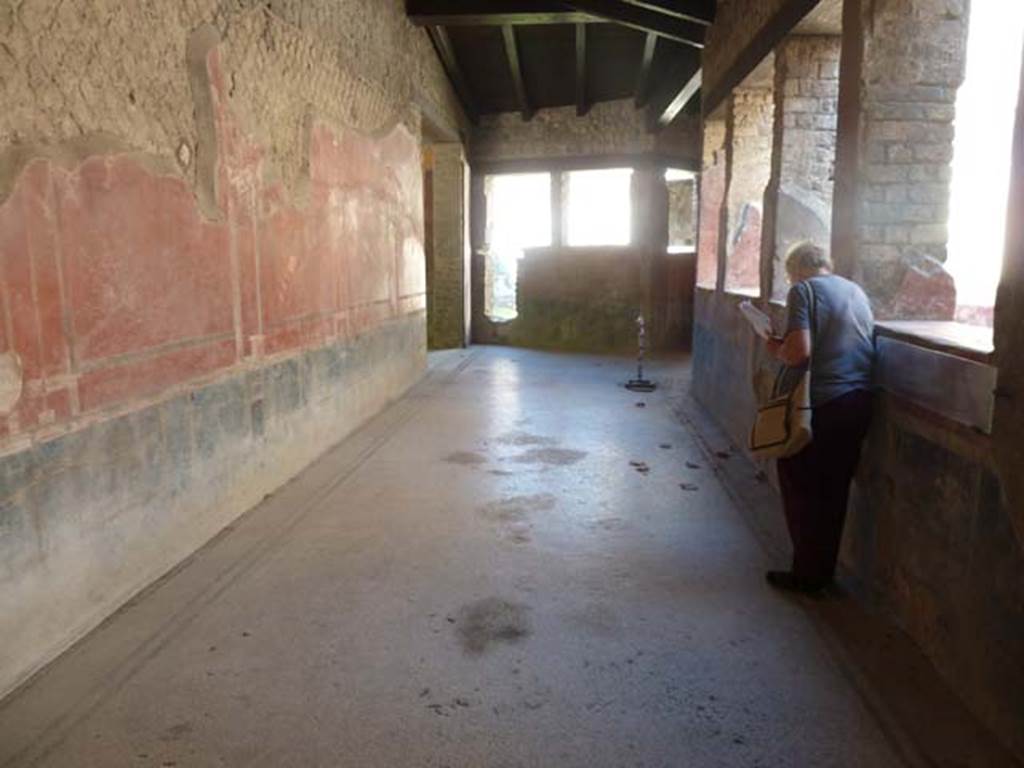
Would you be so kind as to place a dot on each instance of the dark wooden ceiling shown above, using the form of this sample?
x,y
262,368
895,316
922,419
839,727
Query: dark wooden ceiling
x,y
524,55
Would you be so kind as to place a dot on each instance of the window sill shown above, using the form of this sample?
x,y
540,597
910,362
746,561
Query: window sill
x,y
942,367
747,293
967,341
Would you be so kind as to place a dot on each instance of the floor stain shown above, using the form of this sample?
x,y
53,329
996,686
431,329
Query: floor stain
x,y
515,509
466,458
488,622
525,438
554,456
500,472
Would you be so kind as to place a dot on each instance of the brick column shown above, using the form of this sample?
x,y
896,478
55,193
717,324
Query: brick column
x,y
448,324
712,201
748,168
901,66
798,204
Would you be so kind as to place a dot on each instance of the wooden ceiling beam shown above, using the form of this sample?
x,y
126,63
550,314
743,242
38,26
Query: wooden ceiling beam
x,y
680,100
512,54
698,11
445,51
643,83
679,30
493,13
581,70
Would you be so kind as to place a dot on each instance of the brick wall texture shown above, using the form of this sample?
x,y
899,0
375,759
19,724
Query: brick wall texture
x,y
448,319
803,160
608,128
913,64
749,147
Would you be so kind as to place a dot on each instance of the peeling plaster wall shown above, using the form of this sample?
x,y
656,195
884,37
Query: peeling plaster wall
x,y
211,270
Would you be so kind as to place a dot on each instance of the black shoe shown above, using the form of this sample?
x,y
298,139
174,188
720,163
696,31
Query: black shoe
x,y
790,582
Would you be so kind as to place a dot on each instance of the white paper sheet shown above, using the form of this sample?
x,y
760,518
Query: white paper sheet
x,y
759,321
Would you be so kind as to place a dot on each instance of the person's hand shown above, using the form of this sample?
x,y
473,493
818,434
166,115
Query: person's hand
x,y
774,344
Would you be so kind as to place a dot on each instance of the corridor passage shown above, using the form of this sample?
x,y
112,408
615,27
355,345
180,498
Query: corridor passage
x,y
514,565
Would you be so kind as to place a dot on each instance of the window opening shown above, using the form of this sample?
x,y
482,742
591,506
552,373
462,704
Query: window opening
x,y
985,111
518,217
599,207
682,210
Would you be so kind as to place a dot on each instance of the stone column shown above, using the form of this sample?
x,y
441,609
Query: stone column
x,y
798,204
748,168
448,323
902,63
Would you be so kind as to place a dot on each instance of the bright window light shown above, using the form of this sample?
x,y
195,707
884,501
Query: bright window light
x,y
985,109
682,210
599,207
518,217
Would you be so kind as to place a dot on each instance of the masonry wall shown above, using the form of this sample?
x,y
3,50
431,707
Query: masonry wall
x,y
588,298
902,66
803,155
211,270
612,129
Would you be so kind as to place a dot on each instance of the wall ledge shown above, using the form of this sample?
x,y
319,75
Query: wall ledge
x,y
958,339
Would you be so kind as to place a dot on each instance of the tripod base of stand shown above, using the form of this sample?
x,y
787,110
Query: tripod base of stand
x,y
641,385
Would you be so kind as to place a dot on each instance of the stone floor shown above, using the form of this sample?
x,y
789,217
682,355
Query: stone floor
x,y
515,565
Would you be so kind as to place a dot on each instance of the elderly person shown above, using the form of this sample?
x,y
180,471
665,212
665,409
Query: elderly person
x,y
830,325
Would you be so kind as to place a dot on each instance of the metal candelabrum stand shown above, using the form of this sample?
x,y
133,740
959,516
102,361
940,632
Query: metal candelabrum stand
x,y
640,384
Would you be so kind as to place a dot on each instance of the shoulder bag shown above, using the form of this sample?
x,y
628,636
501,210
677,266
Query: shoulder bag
x,y
783,424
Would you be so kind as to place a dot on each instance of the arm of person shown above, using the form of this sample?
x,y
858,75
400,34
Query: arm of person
x,y
794,350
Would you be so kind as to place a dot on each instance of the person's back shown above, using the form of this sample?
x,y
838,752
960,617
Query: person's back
x,y
842,337
831,325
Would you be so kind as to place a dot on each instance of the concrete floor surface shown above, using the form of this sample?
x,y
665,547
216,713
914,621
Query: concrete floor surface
x,y
502,569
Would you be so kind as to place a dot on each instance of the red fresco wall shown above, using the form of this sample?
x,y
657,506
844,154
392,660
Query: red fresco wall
x,y
114,288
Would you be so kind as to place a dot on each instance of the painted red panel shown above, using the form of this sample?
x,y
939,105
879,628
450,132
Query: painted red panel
x,y
40,224
113,261
142,268
151,376
17,267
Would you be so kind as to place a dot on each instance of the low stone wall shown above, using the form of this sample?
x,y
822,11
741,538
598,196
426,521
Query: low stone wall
x,y
92,517
588,299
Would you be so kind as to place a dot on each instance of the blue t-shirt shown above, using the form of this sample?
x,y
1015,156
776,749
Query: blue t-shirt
x,y
842,339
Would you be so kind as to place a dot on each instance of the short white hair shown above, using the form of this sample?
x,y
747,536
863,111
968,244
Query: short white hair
x,y
807,257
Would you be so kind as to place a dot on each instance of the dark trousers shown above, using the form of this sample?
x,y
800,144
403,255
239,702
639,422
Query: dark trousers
x,y
816,484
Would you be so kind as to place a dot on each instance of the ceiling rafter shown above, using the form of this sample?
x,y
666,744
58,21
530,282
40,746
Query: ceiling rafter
x,y
663,25
698,11
643,83
690,89
508,32
481,13
581,70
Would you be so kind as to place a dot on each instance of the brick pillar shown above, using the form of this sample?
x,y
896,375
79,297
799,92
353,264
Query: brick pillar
x,y
712,201
798,204
902,64
748,168
448,323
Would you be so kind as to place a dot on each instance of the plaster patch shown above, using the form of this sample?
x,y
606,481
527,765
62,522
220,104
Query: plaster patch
x,y
10,381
